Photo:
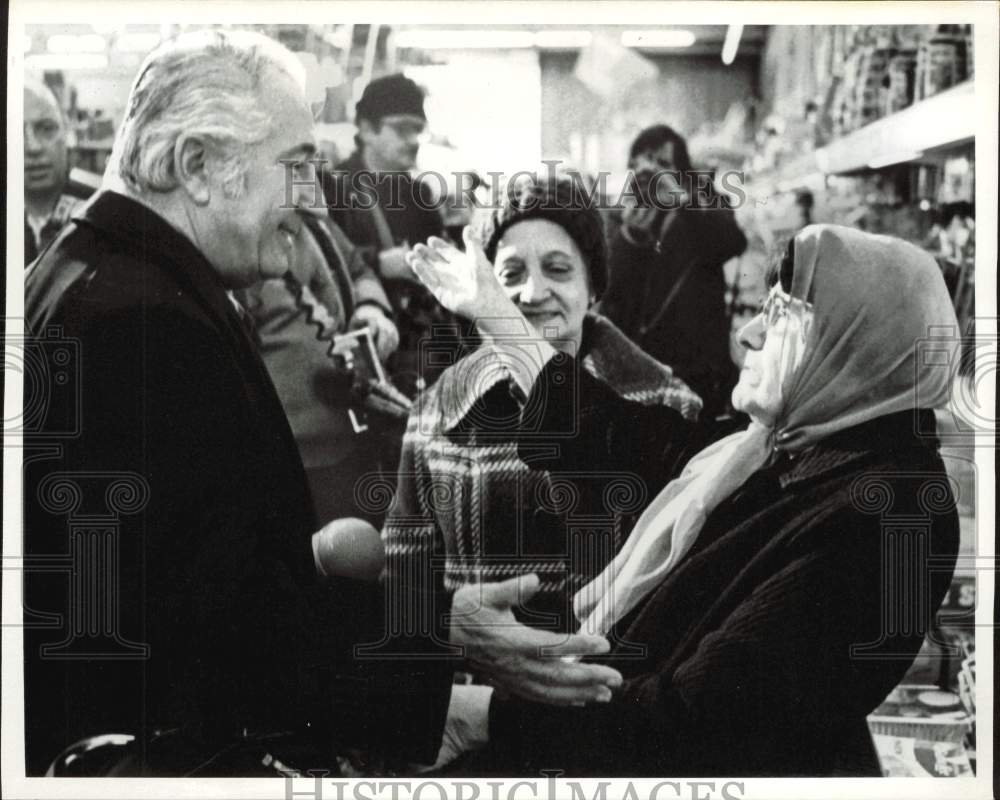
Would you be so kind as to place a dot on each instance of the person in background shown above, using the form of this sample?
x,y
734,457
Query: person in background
x,y
383,211
666,288
329,290
47,206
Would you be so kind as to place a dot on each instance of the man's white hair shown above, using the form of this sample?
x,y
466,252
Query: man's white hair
x,y
205,83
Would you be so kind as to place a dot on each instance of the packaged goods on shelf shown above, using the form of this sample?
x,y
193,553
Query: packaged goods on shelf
x,y
899,81
941,61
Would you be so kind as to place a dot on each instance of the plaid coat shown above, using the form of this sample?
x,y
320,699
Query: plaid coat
x,y
469,508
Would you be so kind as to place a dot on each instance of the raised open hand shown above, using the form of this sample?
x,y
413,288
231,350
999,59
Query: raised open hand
x,y
463,283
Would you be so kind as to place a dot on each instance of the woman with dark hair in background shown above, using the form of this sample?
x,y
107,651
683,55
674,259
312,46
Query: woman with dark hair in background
x,y
666,288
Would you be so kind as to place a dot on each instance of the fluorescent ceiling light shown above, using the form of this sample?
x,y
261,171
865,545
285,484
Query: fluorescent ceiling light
x,y
340,38
731,44
57,61
663,37
137,42
474,39
87,43
562,38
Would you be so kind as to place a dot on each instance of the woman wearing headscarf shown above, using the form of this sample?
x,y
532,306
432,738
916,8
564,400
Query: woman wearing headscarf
x,y
775,592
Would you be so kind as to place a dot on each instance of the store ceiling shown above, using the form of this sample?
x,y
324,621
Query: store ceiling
x,y
707,39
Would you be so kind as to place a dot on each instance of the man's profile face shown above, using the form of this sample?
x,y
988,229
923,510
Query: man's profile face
x,y
394,141
255,236
45,161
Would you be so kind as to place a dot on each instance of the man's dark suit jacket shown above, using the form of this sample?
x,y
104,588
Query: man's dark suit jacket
x,y
178,463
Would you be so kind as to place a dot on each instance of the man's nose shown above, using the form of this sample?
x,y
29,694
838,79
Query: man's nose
x,y
753,334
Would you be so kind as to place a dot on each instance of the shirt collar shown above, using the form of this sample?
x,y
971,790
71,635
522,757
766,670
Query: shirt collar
x,y
151,238
60,213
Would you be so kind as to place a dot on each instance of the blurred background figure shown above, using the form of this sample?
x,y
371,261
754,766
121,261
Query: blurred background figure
x,y
667,288
47,206
383,211
328,291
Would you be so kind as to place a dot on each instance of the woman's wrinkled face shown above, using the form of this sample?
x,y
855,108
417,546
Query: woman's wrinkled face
x,y
775,342
543,272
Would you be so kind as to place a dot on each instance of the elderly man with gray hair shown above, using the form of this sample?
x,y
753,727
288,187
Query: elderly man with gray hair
x,y
177,601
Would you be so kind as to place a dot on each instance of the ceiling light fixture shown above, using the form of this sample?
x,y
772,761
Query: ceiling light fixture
x,y
731,44
659,38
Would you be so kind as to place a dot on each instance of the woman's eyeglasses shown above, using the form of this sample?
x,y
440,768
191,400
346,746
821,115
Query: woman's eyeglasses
x,y
778,303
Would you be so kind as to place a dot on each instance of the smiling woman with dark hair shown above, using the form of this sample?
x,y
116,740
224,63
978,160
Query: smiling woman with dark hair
x,y
765,606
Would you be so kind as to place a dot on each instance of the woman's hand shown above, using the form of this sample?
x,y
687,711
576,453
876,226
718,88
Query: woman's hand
x,y
463,283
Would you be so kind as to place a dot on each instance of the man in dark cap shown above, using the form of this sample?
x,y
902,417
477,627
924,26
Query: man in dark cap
x,y
383,211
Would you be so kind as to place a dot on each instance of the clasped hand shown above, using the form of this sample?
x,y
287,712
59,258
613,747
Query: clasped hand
x,y
531,663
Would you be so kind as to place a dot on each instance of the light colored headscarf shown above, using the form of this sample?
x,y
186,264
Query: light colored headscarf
x,y
875,298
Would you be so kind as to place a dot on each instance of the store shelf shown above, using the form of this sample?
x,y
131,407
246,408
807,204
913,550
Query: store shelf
x,y
945,119
941,121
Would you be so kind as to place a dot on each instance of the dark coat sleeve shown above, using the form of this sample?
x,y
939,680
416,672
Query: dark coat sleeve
x,y
573,422
771,679
628,266
414,663
214,572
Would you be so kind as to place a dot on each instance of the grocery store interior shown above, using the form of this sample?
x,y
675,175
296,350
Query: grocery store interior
x,y
871,127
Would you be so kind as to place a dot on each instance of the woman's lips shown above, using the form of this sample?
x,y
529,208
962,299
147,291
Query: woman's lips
x,y
541,315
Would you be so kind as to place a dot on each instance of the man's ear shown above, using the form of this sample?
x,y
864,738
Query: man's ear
x,y
191,168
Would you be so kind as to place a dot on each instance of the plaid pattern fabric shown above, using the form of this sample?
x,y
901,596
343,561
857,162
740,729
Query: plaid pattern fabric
x,y
468,509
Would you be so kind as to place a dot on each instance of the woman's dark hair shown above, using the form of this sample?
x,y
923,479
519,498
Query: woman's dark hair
x,y
561,200
652,139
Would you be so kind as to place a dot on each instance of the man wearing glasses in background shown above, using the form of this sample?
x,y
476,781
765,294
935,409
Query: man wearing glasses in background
x,y
374,199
